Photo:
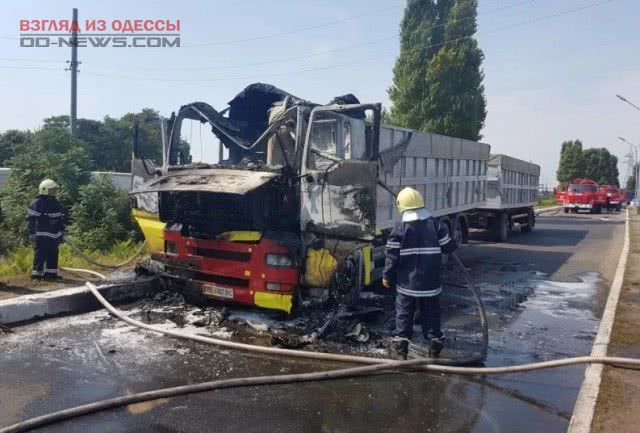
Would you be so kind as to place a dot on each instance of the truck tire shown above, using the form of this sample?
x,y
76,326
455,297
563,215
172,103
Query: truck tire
x,y
347,281
501,227
566,210
531,222
596,209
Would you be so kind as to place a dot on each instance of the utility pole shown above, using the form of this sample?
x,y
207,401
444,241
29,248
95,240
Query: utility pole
x,y
636,171
635,166
73,67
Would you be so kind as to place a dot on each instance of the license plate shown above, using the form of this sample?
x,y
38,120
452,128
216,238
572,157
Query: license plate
x,y
217,291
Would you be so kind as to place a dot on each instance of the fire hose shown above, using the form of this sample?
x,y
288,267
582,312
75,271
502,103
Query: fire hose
x,y
377,365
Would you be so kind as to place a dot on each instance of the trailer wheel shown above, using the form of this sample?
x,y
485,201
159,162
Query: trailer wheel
x,y
531,222
501,227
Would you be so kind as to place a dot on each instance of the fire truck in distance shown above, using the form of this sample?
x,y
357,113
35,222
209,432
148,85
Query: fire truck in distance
x,y
614,197
583,194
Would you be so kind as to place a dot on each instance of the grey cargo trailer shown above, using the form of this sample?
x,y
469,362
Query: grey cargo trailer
x,y
450,173
512,192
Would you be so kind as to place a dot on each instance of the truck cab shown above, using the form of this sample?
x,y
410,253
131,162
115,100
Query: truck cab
x,y
614,197
286,197
583,194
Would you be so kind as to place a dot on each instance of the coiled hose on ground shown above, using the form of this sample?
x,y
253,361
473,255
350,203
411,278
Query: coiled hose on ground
x,y
377,365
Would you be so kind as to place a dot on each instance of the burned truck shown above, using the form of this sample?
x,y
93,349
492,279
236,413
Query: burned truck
x,y
296,198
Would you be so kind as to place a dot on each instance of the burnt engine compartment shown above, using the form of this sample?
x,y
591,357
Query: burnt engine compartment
x,y
270,207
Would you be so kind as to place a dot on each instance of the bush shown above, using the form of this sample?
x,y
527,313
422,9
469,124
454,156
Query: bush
x,y
50,153
101,217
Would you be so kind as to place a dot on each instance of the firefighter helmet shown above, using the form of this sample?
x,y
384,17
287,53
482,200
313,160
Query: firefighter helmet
x,y
409,199
48,187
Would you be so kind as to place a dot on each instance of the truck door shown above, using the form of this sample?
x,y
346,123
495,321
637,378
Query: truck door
x,y
340,172
144,170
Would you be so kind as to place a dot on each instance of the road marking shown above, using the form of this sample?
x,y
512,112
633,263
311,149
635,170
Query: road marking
x,y
587,398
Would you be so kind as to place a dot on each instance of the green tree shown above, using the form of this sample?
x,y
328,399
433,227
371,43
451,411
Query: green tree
x,y
101,217
110,142
51,153
571,164
437,82
9,142
600,165
631,183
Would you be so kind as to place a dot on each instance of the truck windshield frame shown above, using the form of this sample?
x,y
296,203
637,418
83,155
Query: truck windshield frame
x,y
582,188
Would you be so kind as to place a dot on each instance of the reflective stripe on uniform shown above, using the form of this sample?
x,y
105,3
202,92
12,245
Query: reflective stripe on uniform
x,y
427,250
419,293
392,245
36,273
51,271
444,240
54,215
49,235
33,213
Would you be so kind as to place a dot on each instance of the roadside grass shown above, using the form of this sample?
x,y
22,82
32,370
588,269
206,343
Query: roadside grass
x,y
18,261
547,201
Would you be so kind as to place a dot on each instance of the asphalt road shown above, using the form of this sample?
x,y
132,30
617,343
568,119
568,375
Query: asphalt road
x,y
544,291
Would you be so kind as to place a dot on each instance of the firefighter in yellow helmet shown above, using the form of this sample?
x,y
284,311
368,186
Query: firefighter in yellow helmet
x,y
412,265
45,221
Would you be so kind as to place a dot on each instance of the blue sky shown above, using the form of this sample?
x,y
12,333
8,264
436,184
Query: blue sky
x,y
545,82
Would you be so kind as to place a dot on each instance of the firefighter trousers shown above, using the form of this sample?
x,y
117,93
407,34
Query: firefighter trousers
x,y
429,312
45,257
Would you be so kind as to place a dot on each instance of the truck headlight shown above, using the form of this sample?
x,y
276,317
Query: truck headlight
x,y
272,286
279,260
170,247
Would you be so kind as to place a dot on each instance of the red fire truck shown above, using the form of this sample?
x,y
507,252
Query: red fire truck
x,y
583,194
614,197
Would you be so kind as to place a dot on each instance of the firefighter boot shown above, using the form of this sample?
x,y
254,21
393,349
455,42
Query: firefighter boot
x,y
435,347
400,348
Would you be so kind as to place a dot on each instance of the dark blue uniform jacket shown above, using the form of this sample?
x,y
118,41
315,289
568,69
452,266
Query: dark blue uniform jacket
x,y
46,218
413,254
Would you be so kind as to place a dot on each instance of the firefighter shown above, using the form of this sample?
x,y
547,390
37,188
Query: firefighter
x,y
45,220
412,266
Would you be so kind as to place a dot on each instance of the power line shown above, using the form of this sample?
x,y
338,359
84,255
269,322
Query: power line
x,y
291,32
20,59
324,52
508,27
289,59
499,29
30,67
276,35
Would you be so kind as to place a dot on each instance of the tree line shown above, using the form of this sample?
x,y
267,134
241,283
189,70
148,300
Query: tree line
x,y
108,142
596,163
99,213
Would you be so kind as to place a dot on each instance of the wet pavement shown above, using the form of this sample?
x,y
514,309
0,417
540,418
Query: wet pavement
x,y
544,293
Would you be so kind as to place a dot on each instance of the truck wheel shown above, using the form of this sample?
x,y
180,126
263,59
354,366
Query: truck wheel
x,y
347,282
501,229
526,228
566,210
597,209
574,210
